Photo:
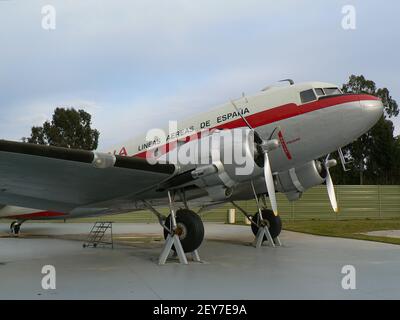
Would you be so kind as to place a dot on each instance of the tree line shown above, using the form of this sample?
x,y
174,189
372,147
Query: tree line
x,y
375,156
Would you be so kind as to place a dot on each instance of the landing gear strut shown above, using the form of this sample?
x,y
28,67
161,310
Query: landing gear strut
x,y
271,222
264,224
15,227
183,233
189,229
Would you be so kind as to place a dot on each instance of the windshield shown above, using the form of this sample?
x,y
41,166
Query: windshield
x,y
332,91
312,94
307,96
319,92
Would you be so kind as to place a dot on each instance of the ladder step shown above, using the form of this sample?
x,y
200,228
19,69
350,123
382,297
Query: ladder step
x,y
97,234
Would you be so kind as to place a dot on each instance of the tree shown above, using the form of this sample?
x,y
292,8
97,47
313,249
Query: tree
x,y
375,155
358,84
69,128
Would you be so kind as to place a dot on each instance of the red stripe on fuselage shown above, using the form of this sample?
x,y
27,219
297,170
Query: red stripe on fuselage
x,y
275,114
42,214
284,146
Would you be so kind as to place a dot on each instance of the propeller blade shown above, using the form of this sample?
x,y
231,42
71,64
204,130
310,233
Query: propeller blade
x,y
269,180
257,137
240,114
331,191
264,146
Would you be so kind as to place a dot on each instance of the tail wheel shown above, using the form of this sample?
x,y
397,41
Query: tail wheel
x,y
15,227
189,228
274,223
12,226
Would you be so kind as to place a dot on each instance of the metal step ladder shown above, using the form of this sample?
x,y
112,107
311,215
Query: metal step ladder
x,y
97,237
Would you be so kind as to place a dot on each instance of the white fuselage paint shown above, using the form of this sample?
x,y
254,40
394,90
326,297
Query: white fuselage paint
x,y
308,135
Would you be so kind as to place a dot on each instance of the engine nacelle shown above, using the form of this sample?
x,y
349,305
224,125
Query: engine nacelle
x,y
296,180
223,157
234,154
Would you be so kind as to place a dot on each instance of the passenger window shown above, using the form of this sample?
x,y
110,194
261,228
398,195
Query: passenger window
x,y
307,96
332,91
319,92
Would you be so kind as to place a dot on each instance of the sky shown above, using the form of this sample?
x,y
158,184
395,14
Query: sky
x,y
134,65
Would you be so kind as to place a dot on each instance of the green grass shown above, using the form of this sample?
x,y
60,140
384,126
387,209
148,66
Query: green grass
x,y
346,228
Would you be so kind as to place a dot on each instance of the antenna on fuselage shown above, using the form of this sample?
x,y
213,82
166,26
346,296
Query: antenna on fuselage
x,y
291,82
288,80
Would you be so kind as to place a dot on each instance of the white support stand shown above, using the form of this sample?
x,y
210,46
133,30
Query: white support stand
x,y
196,256
169,242
263,231
173,240
166,252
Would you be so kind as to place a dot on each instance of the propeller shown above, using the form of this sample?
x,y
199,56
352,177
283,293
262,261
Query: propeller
x,y
329,183
264,146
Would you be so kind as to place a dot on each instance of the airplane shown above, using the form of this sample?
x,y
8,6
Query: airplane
x,y
284,130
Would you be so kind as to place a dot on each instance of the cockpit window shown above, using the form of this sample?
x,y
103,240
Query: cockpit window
x,y
332,91
319,92
307,96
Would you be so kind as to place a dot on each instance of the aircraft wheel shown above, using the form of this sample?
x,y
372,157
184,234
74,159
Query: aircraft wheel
x,y
12,226
274,223
15,227
189,228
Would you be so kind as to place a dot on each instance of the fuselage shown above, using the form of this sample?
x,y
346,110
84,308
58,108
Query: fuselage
x,y
309,129
313,118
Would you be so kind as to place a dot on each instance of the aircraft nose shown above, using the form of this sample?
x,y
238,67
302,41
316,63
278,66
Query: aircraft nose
x,y
372,109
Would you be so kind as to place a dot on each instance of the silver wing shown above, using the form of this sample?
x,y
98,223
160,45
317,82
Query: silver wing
x,y
62,179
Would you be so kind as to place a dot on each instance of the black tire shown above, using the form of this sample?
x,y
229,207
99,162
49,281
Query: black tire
x,y
17,227
274,223
191,229
12,226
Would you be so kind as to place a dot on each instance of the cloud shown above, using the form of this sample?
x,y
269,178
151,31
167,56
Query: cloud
x,y
136,64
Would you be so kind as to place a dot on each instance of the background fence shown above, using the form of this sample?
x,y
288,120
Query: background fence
x,y
355,202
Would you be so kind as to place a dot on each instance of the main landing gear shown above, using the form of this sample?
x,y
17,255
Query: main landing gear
x,y
264,224
183,233
268,222
189,229
15,227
